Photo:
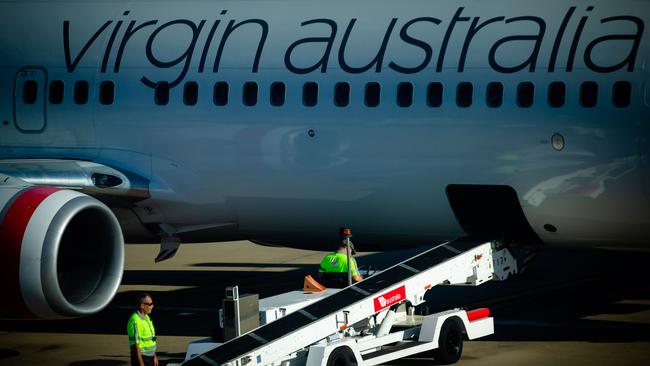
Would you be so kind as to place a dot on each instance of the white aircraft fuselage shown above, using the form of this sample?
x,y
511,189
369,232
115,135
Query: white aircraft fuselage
x,y
294,173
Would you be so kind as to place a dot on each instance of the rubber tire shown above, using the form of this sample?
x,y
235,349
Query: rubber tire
x,y
450,343
342,356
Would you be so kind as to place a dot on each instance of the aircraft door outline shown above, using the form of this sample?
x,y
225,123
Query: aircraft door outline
x,y
29,102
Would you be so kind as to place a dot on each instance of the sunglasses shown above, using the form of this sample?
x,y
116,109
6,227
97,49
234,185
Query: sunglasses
x,y
148,303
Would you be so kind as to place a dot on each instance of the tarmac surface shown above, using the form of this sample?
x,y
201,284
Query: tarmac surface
x,y
570,306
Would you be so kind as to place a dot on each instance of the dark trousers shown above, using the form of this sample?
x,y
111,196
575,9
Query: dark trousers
x,y
148,360
333,279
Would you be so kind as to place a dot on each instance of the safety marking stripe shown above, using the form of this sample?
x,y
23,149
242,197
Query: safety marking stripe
x,y
361,291
16,217
405,266
451,249
307,314
258,338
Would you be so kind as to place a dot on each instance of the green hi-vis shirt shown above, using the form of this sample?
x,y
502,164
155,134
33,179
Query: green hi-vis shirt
x,y
337,262
142,333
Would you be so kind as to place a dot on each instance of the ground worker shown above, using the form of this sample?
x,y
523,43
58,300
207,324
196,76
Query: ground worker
x,y
142,335
334,267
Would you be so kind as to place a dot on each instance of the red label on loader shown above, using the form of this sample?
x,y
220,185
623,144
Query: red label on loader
x,y
390,298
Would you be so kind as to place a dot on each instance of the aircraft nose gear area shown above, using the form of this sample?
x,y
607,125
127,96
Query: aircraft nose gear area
x,y
372,321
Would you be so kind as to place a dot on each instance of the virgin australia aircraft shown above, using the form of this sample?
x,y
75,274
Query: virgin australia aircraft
x,y
410,122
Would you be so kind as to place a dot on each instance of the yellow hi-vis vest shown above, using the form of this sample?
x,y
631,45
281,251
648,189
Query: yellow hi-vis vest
x,y
338,263
142,334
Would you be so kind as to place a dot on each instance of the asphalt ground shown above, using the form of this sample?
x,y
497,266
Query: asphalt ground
x,y
570,306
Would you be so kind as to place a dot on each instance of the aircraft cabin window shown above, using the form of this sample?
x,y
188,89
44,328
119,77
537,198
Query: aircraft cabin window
x,y
525,94
106,92
434,95
191,93
464,94
342,94
30,91
556,94
404,94
588,94
161,93
56,92
310,94
622,94
220,97
494,94
278,93
81,92
373,94
250,93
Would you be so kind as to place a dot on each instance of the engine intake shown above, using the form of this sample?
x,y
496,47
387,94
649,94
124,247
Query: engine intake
x,y
61,253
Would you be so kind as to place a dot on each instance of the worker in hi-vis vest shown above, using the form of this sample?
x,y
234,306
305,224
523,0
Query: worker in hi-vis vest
x,y
142,335
334,267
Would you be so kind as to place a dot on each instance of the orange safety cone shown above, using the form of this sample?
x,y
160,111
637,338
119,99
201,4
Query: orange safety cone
x,y
311,285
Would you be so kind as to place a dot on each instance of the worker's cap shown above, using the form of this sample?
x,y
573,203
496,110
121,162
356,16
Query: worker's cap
x,y
352,250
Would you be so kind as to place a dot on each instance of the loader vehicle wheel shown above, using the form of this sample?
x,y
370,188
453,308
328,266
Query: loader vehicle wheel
x,y
342,356
450,343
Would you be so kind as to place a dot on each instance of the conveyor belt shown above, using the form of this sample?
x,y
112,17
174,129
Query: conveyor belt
x,y
275,330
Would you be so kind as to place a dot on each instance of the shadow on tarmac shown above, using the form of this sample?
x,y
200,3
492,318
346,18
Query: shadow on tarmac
x,y
548,302
190,311
553,299
8,353
266,265
102,362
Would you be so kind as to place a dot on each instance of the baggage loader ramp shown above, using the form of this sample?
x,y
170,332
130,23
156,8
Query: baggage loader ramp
x,y
463,261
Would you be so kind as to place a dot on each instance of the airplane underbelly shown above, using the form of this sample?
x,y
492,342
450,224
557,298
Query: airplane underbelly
x,y
278,187
605,203
607,215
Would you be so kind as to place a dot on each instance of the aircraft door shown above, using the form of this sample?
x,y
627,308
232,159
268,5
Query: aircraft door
x,y
29,99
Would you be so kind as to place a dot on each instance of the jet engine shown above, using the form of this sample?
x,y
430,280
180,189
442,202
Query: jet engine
x,y
61,252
